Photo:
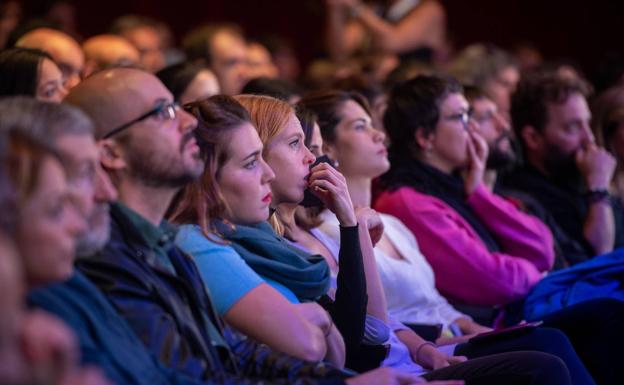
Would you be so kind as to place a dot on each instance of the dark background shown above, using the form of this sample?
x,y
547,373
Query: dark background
x,y
582,31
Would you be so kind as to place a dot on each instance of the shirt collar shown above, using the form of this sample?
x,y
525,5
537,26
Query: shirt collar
x,y
153,236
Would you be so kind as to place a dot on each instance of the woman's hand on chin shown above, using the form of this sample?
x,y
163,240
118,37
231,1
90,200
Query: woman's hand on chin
x,y
477,157
331,187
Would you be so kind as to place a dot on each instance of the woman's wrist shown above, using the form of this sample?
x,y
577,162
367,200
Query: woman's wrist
x,y
420,351
348,220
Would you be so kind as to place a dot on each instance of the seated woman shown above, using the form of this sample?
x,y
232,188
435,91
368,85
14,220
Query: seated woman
x,y
44,233
482,249
30,72
189,82
242,178
251,306
408,280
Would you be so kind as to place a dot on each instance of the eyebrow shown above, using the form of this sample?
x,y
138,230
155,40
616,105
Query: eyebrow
x,y
51,82
252,155
364,120
159,101
460,110
299,135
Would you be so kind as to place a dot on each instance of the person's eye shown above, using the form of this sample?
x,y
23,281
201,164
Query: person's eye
x,y
250,165
360,127
295,143
49,92
56,209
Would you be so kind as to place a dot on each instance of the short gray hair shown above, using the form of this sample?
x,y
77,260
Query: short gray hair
x,y
45,120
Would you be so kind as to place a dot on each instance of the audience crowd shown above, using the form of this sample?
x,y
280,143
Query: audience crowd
x,y
395,213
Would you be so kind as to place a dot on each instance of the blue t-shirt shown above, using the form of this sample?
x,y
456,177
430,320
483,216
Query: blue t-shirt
x,y
225,274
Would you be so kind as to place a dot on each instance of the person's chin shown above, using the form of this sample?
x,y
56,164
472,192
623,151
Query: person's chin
x,y
297,198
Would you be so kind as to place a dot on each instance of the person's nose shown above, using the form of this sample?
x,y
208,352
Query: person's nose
x,y
309,157
267,172
378,135
588,134
186,121
75,223
63,91
502,124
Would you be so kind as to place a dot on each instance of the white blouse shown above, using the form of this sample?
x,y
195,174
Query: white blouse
x,y
408,283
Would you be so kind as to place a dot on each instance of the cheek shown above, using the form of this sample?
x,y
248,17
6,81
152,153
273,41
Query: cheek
x,y
452,143
48,263
349,155
488,132
242,194
83,198
566,143
290,172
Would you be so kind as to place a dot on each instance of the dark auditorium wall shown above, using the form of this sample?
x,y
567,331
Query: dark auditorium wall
x,y
584,30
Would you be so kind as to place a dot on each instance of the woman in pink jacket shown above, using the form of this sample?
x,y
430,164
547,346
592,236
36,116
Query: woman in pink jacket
x,y
482,249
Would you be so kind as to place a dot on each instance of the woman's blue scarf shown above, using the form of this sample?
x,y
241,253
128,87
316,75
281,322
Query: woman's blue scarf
x,y
271,256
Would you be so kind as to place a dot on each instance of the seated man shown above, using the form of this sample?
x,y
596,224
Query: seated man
x,y
502,157
564,170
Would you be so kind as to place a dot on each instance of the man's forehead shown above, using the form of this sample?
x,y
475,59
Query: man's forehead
x,y
139,90
227,42
574,104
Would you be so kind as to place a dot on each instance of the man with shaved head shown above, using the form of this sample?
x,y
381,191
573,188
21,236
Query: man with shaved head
x,y
63,48
108,51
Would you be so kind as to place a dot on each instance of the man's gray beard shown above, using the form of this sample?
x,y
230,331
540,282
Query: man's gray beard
x,y
97,236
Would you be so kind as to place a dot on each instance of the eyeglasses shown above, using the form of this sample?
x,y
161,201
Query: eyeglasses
x,y
463,117
164,111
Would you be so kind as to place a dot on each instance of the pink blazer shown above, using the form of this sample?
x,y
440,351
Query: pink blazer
x,y
465,270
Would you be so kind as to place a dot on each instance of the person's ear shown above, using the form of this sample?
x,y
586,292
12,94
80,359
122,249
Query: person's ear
x,y
532,139
424,140
111,155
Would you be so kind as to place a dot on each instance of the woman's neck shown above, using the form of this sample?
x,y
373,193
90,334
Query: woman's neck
x,y
286,214
360,190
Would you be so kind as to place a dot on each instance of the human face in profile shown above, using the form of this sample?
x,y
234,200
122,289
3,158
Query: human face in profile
x,y
244,178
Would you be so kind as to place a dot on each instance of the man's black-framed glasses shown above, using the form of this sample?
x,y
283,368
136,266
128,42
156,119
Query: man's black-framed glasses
x,y
164,110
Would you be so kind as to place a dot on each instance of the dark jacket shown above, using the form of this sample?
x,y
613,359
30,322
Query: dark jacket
x,y
105,339
561,204
173,315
